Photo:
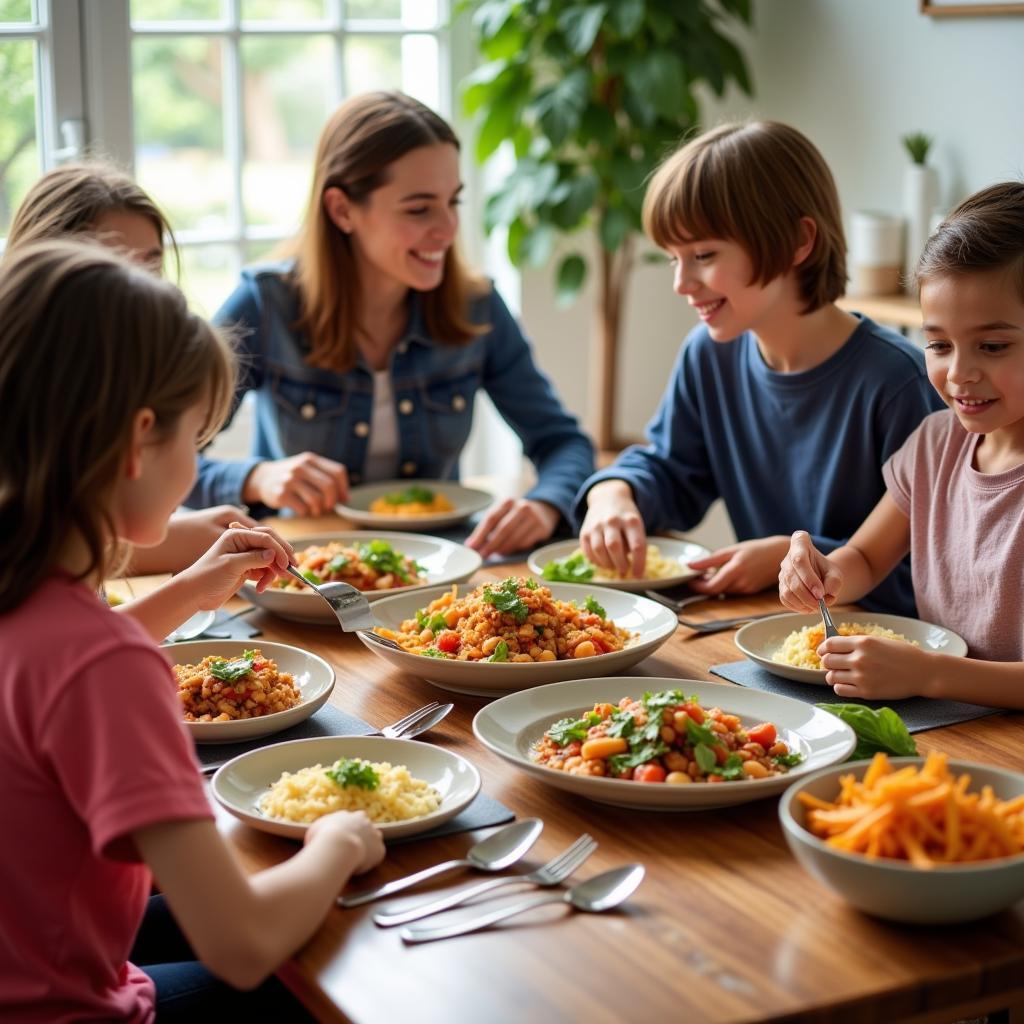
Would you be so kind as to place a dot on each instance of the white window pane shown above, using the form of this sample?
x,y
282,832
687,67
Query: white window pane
x,y
373,9
283,10
17,10
258,252
19,151
372,62
209,274
419,69
177,10
289,91
179,133
420,13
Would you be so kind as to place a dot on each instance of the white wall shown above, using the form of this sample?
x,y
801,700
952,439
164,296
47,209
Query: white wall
x,y
854,75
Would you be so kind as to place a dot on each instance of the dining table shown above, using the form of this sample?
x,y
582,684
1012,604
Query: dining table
x,y
726,926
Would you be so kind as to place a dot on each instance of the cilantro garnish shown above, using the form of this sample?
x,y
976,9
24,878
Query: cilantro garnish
x,y
500,652
353,771
568,729
574,569
594,608
433,652
411,495
337,563
788,760
435,623
638,755
505,597
380,555
230,671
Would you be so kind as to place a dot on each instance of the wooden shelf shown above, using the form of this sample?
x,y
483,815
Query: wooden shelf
x,y
896,310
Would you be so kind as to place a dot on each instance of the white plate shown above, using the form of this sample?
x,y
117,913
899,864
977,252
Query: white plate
x,y
512,725
653,622
312,675
681,551
466,500
760,640
240,783
443,561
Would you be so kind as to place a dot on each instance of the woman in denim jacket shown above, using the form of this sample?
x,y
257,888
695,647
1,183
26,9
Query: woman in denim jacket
x,y
367,347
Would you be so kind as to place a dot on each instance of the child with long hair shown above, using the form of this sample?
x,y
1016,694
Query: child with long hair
x,y
96,200
955,489
367,347
780,402
108,383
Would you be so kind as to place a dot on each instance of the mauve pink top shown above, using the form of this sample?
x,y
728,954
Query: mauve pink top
x,y
966,537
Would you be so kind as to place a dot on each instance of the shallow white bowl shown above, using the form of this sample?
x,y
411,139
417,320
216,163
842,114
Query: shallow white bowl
x,y
443,561
894,889
512,725
466,500
760,640
681,551
313,676
240,783
653,623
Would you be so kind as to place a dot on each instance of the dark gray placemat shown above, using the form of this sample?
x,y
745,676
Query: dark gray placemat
x,y
483,812
919,713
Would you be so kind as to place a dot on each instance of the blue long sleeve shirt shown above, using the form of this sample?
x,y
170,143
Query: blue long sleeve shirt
x,y
786,451
306,408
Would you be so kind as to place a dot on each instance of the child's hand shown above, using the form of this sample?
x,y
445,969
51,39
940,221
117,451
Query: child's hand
x,y
354,827
806,576
874,667
239,554
613,534
744,568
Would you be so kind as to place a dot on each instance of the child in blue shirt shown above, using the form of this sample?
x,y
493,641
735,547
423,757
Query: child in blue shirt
x,y
780,403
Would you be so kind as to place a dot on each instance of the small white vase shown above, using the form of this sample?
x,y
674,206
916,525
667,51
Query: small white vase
x,y
920,196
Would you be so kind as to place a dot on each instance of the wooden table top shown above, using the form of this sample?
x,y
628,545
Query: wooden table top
x,y
726,926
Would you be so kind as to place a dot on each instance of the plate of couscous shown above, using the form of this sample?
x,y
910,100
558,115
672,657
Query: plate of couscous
x,y
378,564
404,787
514,633
234,690
787,645
412,504
666,566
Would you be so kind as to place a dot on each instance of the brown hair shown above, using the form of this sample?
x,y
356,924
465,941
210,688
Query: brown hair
x,y
361,139
751,183
87,340
70,199
985,232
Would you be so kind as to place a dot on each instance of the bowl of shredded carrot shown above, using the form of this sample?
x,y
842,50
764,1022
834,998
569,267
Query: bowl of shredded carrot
x,y
920,840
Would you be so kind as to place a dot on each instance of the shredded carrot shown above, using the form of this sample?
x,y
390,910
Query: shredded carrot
x,y
923,814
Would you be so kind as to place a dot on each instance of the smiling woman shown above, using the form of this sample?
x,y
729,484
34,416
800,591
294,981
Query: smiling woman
x,y
366,347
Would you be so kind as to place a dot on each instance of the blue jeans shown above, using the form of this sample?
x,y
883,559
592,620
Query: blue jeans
x,y
187,991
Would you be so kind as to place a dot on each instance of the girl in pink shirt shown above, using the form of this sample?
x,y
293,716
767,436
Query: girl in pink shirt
x,y
956,487
108,383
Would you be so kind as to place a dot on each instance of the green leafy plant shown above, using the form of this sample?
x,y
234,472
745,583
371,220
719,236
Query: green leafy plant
x,y
591,96
917,145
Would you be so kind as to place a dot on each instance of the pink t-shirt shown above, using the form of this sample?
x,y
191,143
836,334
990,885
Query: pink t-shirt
x,y
92,748
966,537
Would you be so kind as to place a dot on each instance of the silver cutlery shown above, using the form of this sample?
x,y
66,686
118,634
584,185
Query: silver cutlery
x,y
495,853
350,606
718,625
413,724
602,892
556,871
830,626
678,604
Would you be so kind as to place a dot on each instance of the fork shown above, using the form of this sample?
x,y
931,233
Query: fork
x,y
718,625
395,731
830,626
350,606
557,870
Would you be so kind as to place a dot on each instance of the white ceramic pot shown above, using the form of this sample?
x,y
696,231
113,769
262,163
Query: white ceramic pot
x,y
920,196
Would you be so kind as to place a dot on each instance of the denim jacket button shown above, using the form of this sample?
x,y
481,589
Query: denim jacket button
x,y
361,429
308,411
458,403
403,348
408,468
405,406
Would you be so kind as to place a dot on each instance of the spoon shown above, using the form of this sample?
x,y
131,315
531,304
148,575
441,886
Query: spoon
x,y
495,853
602,892
193,626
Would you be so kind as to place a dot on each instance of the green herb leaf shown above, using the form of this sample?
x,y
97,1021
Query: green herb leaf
x,y
573,569
623,725
312,577
788,760
666,699
230,671
732,770
566,730
353,771
705,758
594,608
500,652
882,730
337,563
411,495
698,734
505,597
433,652
380,555
637,756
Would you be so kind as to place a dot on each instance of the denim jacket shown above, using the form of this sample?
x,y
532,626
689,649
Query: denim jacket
x,y
305,408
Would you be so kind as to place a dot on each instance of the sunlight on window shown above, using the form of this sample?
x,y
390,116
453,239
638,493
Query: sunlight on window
x,y
19,151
